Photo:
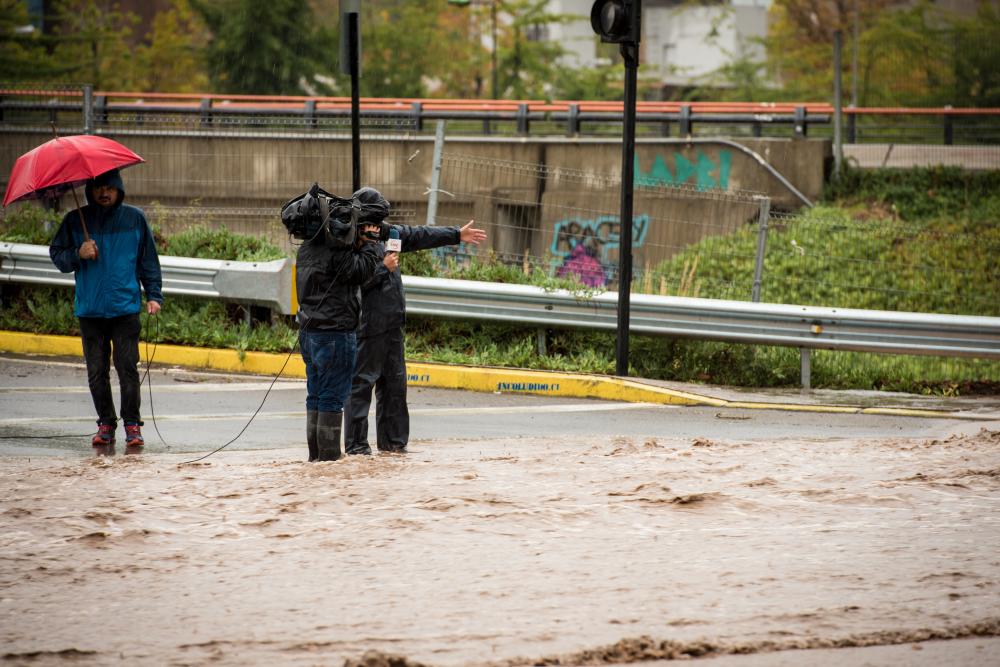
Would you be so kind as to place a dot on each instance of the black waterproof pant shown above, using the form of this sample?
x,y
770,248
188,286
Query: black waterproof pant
x,y
104,339
381,365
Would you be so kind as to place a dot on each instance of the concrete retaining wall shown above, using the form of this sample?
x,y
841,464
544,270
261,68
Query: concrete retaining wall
x,y
540,195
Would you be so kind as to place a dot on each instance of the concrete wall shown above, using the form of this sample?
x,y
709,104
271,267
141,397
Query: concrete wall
x,y
540,195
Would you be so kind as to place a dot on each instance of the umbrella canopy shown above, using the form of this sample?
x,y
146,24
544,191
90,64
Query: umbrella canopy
x,y
63,163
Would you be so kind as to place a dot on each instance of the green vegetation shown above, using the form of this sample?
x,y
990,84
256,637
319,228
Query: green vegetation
x,y
910,240
206,243
915,240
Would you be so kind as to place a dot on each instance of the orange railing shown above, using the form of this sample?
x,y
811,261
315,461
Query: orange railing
x,y
799,115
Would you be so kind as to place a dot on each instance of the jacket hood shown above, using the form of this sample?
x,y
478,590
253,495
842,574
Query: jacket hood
x,y
112,178
374,207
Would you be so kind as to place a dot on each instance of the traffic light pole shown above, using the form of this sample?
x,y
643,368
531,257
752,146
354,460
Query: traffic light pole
x,y
353,40
630,53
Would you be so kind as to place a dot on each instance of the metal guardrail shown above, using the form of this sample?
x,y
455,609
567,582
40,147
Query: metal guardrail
x,y
267,284
710,319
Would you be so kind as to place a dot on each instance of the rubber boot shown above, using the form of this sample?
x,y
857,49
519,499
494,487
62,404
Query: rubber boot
x,y
312,422
328,435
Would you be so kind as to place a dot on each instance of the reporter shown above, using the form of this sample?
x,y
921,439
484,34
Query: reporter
x,y
381,364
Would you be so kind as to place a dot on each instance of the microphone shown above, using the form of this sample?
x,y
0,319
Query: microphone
x,y
393,244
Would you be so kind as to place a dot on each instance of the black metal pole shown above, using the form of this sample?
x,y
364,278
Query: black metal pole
x,y
353,28
630,52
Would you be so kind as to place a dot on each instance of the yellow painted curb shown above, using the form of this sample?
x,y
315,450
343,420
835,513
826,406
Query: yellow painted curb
x,y
260,363
907,412
547,383
801,407
444,376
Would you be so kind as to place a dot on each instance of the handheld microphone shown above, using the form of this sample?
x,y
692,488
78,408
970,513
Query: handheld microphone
x,y
393,244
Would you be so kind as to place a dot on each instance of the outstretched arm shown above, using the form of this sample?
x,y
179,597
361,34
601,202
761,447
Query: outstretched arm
x,y
423,237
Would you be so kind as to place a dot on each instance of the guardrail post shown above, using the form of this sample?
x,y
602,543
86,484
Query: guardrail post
x,y
665,128
573,120
758,271
100,110
88,109
685,120
541,342
523,121
805,362
758,129
206,111
801,122
310,113
417,110
949,129
852,128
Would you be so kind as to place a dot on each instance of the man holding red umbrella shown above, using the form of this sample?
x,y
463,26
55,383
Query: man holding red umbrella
x,y
114,257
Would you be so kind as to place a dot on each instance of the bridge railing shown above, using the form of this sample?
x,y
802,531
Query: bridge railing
x,y
97,109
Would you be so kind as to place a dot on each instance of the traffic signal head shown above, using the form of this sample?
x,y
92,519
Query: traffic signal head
x,y
617,21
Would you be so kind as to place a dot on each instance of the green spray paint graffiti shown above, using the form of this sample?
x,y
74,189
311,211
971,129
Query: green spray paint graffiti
x,y
698,173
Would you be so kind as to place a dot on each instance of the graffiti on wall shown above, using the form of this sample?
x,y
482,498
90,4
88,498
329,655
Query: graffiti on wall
x,y
583,247
703,173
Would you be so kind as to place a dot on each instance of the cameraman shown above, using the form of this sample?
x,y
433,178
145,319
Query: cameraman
x,y
329,269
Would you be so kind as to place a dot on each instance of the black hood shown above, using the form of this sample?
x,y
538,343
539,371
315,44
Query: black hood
x,y
374,207
112,178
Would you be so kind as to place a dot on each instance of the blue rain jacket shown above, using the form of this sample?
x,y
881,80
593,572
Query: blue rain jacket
x,y
109,286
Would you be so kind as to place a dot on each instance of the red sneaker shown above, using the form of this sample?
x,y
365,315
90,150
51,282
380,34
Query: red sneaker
x,y
105,435
133,435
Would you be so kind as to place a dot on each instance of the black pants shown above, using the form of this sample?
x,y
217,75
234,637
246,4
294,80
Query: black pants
x,y
381,365
104,339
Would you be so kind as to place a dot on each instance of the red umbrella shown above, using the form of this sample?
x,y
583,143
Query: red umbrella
x,y
63,163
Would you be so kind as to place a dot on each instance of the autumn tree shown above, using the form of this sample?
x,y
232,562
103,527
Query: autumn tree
x,y
23,56
408,49
915,55
171,59
90,43
262,48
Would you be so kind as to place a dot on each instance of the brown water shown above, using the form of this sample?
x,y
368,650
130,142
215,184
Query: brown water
x,y
500,551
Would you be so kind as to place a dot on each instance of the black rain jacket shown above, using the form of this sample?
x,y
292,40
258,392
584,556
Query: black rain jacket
x,y
327,283
383,305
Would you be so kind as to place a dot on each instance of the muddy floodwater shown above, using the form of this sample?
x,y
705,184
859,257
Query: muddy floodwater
x,y
501,551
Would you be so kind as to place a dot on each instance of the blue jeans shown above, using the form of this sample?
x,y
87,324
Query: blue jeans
x,y
329,358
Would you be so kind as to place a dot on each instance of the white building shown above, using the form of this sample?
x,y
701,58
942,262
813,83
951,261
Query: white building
x,y
683,44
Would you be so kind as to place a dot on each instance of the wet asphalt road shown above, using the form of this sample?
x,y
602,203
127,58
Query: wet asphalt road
x,y
45,409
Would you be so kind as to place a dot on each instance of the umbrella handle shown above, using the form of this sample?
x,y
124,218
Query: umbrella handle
x,y
76,200
86,235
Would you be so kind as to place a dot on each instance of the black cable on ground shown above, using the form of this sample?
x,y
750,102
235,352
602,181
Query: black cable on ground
x,y
255,413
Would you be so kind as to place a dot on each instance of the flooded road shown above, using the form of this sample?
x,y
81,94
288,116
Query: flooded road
x,y
500,550
586,532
